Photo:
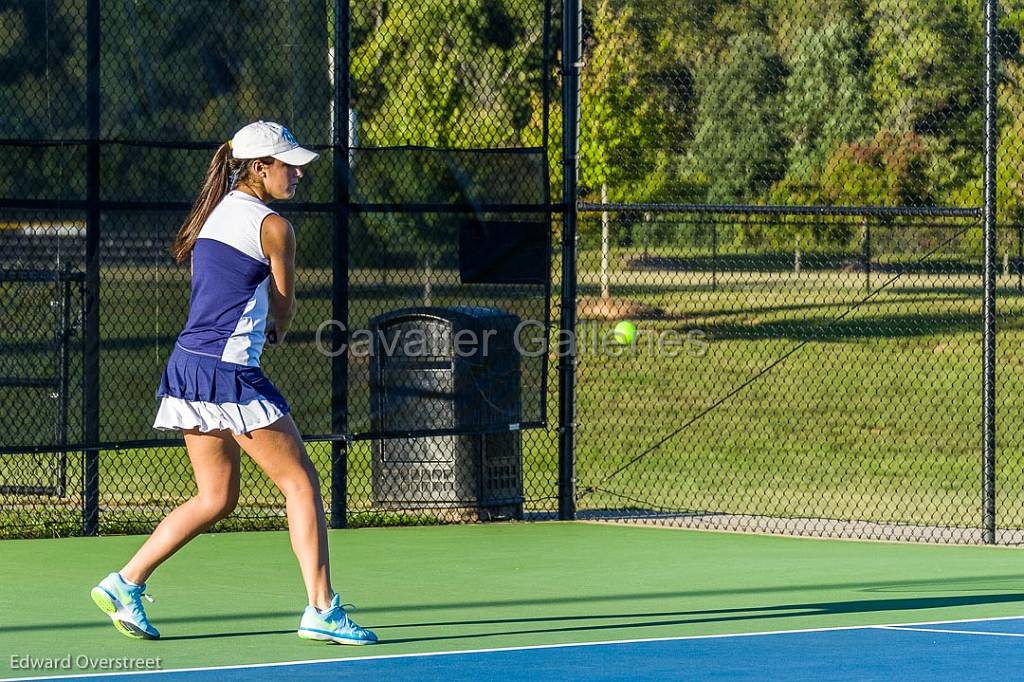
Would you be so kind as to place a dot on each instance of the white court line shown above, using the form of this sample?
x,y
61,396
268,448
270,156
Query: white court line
x,y
949,632
532,647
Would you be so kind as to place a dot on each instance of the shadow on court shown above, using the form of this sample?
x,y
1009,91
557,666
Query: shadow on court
x,y
219,635
672,618
629,619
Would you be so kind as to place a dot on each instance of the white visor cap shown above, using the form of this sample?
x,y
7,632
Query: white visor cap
x,y
266,138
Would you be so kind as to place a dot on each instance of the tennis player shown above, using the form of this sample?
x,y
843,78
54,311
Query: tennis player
x,y
243,294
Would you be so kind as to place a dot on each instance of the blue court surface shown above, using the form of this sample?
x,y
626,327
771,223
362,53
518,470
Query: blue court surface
x,y
982,649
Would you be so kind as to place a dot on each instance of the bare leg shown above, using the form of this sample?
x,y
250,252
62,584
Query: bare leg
x,y
278,449
215,463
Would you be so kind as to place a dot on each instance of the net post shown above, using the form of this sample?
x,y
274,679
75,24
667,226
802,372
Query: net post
x,y
91,331
988,467
571,35
339,266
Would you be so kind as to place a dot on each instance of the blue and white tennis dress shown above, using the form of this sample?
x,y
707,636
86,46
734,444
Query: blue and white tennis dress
x,y
213,379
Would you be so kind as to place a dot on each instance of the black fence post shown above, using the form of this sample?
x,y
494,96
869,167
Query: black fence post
x,y
988,467
339,280
91,327
571,33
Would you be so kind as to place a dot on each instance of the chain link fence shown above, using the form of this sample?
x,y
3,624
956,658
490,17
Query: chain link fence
x,y
428,212
795,387
785,200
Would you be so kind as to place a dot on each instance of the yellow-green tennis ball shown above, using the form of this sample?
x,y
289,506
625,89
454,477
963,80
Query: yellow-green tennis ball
x,y
624,332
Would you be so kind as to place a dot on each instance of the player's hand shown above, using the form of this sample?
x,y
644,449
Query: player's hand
x,y
272,335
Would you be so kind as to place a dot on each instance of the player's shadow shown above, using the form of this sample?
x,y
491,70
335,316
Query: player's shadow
x,y
220,635
603,621
624,621
104,624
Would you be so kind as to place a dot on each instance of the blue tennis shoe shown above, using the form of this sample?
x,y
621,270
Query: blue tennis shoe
x,y
122,601
333,625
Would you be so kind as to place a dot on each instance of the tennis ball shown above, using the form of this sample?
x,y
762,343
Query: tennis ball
x,y
624,332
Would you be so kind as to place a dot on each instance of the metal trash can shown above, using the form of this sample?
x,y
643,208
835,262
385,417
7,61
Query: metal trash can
x,y
453,370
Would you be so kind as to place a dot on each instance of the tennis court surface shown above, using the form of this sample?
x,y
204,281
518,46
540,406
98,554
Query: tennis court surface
x,y
558,601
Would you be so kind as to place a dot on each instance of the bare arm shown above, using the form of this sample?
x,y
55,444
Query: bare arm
x,y
278,240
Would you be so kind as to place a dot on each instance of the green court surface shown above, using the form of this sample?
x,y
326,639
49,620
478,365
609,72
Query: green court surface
x,y
236,598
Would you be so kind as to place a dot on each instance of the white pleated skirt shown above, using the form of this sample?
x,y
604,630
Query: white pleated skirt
x,y
239,418
205,393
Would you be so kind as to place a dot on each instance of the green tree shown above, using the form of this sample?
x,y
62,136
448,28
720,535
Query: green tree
x,y
42,96
926,77
1010,152
739,144
827,97
443,73
621,124
42,82
886,170
197,72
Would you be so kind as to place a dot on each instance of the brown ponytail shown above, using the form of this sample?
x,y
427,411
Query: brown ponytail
x,y
215,186
225,172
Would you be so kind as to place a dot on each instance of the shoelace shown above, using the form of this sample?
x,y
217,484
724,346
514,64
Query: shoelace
x,y
135,605
348,621
345,620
